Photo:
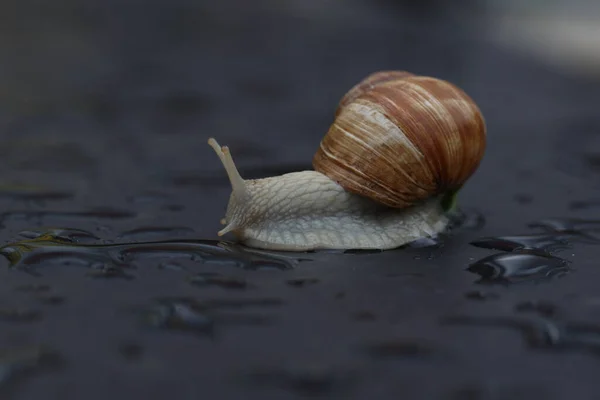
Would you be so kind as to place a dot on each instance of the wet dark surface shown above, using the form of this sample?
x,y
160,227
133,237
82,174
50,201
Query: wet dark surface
x,y
113,283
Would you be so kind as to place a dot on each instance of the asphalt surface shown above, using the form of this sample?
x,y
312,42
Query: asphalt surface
x,y
112,284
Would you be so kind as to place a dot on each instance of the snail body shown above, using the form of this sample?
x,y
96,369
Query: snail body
x,y
400,144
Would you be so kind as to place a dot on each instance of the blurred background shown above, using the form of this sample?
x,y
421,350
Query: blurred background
x,y
110,104
146,82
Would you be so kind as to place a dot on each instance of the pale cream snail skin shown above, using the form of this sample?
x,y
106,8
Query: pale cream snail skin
x,y
400,147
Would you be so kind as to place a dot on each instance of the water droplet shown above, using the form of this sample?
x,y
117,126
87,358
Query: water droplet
x,y
425,242
542,241
186,314
64,234
582,230
532,258
179,315
110,260
509,268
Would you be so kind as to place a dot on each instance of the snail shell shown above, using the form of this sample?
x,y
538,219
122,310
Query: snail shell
x,y
399,139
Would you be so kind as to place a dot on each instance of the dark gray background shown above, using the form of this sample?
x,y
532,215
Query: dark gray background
x,y
109,105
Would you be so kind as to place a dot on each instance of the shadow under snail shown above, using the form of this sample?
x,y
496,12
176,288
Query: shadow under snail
x,y
386,172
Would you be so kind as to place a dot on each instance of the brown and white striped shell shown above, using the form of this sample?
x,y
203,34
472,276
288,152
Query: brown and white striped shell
x,y
399,138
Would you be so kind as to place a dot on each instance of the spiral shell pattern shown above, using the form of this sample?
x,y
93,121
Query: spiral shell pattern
x,y
400,138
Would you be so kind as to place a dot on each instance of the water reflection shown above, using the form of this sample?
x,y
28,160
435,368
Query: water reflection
x,y
60,246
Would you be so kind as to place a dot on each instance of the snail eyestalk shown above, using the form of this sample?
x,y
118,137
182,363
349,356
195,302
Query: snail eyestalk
x,y
238,186
237,183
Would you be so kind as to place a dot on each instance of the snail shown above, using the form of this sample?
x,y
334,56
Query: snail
x,y
385,174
